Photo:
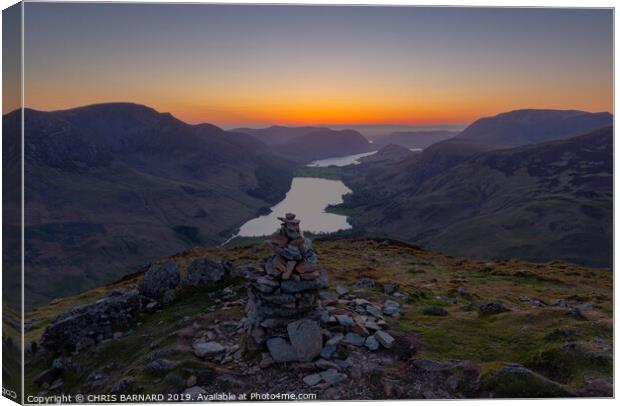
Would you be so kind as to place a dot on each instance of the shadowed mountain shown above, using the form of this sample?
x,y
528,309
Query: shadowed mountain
x,y
416,139
538,202
522,127
304,144
277,134
389,153
110,187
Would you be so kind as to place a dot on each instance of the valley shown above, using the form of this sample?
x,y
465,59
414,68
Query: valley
x,y
133,198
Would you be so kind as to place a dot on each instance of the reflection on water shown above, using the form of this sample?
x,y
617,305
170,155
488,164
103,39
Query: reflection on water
x,y
308,198
341,160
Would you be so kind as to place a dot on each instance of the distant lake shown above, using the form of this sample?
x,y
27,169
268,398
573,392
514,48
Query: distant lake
x,y
341,160
307,198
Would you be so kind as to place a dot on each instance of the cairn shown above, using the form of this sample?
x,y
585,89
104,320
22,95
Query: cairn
x,y
283,308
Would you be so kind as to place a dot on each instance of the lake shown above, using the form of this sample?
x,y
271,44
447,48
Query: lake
x,y
307,198
341,160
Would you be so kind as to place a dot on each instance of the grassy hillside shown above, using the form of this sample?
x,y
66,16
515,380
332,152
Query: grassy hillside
x,y
558,323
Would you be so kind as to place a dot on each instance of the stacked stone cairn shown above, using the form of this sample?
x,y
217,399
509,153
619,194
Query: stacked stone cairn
x,y
282,313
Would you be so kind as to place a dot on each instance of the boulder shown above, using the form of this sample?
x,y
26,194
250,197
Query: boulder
x,y
158,280
492,308
516,381
435,310
281,350
306,339
208,349
204,272
87,325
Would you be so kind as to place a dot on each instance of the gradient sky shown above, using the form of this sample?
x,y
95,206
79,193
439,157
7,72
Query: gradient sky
x,y
261,65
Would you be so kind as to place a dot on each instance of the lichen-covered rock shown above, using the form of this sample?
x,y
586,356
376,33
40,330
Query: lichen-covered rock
x,y
159,280
516,381
306,339
492,308
87,325
204,272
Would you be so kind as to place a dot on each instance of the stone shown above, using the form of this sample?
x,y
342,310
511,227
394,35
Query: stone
x,y
359,329
324,364
208,349
371,325
391,303
281,350
158,280
195,393
390,311
373,311
333,377
371,343
516,381
354,339
389,288
341,290
161,365
328,351
312,379
123,385
306,339
86,325
365,283
204,272
435,310
295,287
384,339
402,296
560,303
492,308
344,320
576,314
267,282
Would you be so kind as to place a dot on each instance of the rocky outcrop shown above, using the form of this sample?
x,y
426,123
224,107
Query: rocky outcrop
x,y
282,311
204,272
159,281
89,324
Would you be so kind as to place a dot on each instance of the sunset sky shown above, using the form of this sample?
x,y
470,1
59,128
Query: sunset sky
x,y
263,65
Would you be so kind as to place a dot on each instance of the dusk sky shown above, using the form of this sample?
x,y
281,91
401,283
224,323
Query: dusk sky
x,y
263,65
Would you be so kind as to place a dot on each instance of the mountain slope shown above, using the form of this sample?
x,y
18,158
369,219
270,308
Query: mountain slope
x,y
277,134
539,202
304,144
555,321
521,127
326,143
416,139
109,187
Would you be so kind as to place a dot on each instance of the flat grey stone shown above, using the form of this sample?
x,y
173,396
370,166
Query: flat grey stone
x,y
312,380
281,350
354,339
371,343
344,320
384,338
306,339
210,348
